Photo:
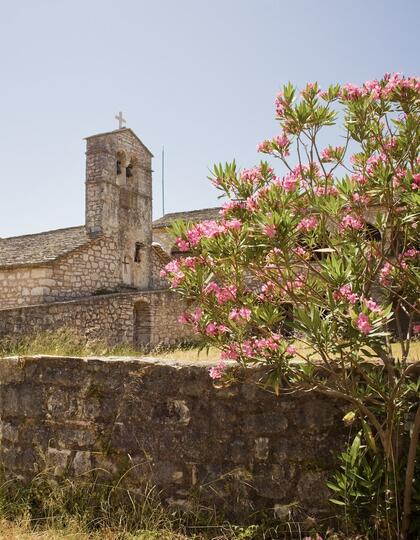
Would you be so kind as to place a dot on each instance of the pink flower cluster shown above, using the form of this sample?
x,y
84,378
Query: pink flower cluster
x,y
230,353
280,105
332,153
261,346
222,294
231,205
363,323
270,230
173,272
372,305
325,190
240,314
252,176
384,274
307,224
217,371
359,178
350,222
346,293
209,229
214,329
280,143
381,89
416,181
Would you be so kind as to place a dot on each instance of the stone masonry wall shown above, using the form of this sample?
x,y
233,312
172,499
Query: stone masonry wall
x,y
81,272
240,449
108,317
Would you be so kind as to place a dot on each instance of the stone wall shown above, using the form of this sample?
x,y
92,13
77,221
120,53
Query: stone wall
x,y
240,449
139,318
95,266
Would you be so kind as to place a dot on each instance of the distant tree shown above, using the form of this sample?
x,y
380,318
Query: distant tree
x,y
336,237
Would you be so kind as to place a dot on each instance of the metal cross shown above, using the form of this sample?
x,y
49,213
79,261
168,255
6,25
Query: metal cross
x,y
121,120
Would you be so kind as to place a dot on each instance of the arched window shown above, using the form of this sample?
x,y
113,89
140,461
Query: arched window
x,y
120,169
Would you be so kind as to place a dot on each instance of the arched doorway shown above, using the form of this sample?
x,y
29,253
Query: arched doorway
x,y
142,325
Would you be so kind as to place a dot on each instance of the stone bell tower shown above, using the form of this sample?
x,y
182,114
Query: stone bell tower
x,y
119,200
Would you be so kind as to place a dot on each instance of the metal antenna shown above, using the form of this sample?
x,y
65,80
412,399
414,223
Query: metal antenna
x,y
163,180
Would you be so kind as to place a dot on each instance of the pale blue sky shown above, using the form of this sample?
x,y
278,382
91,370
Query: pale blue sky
x,y
197,76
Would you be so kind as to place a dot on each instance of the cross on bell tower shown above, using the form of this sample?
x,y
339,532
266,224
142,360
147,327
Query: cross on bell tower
x,y
121,120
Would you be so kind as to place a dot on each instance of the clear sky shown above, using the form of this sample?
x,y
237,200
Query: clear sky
x,y
197,76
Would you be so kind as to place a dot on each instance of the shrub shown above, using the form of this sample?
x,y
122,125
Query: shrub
x,y
335,236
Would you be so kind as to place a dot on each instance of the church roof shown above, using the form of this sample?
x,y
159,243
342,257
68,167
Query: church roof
x,y
192,215
41,248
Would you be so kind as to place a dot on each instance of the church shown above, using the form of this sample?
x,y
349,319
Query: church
x,y
102,278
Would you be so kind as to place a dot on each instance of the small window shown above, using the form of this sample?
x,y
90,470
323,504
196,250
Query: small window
x,y
129,171
137,252
118,167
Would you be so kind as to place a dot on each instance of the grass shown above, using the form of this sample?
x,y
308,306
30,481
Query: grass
x,y
68,343
73,510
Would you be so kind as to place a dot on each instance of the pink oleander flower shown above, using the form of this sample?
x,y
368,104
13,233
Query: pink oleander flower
x,y
289,183
325,190
332,153
280,105
196,315
183,318
299,251
291,349
307,224
350,222
251,176
411,253
265,147
239,314
360,199
233,224
384,274
182,244
230,353
211,329
416,182
247,348
211,287
177,278
363,324
225,294
270,230
217,371
416,328
230,205
346,293
351,92
359,178
372,305
282,143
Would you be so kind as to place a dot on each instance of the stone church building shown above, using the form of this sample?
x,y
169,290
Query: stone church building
x,y
102,278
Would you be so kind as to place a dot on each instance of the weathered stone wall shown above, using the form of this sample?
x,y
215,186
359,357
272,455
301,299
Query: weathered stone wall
x,y
113,318
95,266
240,448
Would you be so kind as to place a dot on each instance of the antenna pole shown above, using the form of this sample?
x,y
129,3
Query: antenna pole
x,y
163,180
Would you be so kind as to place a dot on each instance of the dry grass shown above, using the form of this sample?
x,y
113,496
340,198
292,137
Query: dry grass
x,y
68,343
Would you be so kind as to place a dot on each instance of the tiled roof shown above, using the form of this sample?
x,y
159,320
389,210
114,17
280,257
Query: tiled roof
x,y
192,215
41,248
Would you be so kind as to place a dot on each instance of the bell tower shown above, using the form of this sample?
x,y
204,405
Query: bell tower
x,y
119,200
